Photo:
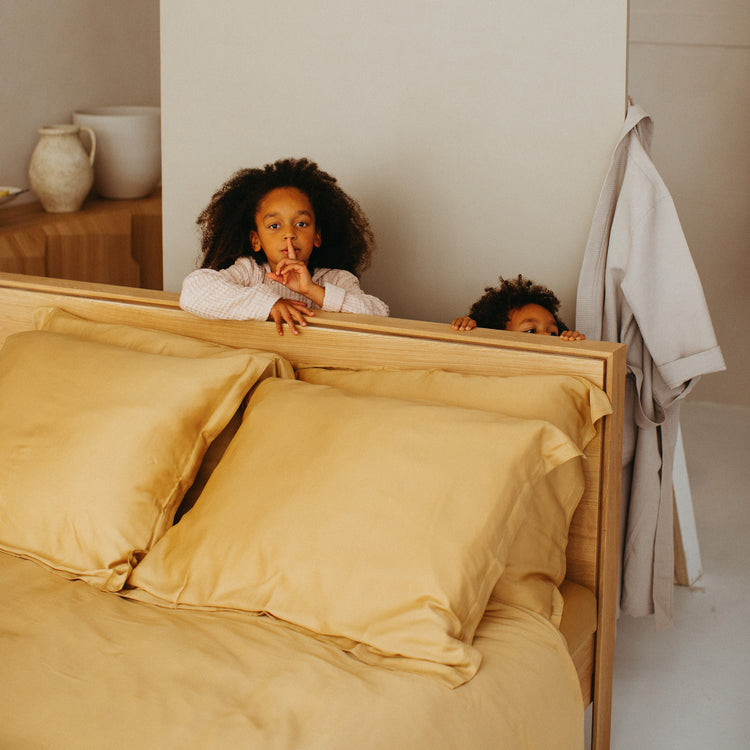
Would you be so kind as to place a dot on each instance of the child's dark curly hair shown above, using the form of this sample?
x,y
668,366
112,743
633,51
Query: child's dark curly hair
x,y
225,224
493,309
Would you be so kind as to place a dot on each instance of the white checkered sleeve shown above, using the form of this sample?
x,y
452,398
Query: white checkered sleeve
x,y
344,294
239,292
243,292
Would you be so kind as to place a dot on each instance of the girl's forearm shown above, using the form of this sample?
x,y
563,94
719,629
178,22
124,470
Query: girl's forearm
x,y
316,294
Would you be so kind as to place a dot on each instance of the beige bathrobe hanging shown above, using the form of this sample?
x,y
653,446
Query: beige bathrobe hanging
x,y
639,286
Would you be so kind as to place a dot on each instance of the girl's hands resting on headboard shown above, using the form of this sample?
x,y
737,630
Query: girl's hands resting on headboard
x,y
291,312
572,336
464,323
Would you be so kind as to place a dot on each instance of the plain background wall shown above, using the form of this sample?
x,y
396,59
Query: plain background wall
x,y
689,66
474,135
56,57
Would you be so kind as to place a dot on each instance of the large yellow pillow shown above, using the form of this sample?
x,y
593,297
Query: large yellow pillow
x,y
380,523
98,444
160,342
536,563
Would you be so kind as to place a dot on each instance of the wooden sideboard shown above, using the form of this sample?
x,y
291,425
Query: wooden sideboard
x,y
106,241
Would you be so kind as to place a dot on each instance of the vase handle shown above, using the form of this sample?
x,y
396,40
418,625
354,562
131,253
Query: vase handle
x,y
92,152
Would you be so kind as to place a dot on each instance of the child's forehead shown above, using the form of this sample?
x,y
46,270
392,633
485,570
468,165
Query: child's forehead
x,y
531,313
284,199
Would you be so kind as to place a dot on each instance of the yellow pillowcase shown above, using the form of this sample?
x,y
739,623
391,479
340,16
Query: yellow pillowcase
x,y
98,444
569,402
161,342
379,523
536,563
143,339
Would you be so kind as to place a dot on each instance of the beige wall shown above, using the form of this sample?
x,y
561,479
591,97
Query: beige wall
x,y
690,69
475,135
56,57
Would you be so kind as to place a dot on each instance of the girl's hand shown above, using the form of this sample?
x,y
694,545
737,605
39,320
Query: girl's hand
x,y
572,336
295,275
464,323
291,272
292,313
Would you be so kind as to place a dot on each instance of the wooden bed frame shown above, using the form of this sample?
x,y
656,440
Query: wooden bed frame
x,y
339,340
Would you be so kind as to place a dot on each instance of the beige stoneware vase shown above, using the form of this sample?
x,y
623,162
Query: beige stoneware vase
x,y
61,171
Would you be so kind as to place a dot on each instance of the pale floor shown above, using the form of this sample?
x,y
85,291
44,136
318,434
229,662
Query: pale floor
x,y
688,687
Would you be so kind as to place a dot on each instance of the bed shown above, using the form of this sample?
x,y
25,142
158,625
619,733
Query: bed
x,y
379,533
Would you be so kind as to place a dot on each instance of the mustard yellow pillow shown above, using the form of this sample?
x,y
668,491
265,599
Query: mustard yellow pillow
x,y
536,563
98,444
160,342
571,403
143,339
379,523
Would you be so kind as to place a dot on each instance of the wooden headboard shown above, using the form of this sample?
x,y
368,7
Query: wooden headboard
x,y
339,340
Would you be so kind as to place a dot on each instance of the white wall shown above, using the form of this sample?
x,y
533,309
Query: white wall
x,y
56,57
690,69
475,135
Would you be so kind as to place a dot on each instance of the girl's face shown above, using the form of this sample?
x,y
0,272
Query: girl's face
x,y
532,319
285,216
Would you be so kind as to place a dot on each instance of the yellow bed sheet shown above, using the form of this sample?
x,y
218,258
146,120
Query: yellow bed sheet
x,y
82,668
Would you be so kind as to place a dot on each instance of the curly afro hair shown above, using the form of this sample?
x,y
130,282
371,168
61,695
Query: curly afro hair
x,y
225,224
493,309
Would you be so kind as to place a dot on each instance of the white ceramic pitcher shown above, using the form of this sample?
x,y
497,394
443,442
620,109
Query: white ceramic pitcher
x,y
128,162
61,172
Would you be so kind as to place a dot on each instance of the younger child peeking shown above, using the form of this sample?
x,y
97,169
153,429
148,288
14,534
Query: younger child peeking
x,y
517,305
279,242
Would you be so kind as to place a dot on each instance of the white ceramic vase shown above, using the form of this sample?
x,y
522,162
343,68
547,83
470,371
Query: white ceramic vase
x,y
61,172
128,163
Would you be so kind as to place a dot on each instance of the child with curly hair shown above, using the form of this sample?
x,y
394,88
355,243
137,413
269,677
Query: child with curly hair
x,y
517,305
279,242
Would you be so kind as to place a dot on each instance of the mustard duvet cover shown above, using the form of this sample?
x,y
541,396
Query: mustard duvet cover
x,y
83,668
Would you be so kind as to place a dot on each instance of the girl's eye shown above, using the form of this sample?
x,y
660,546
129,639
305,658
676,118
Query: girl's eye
x,y
273,226
302,224
530,330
